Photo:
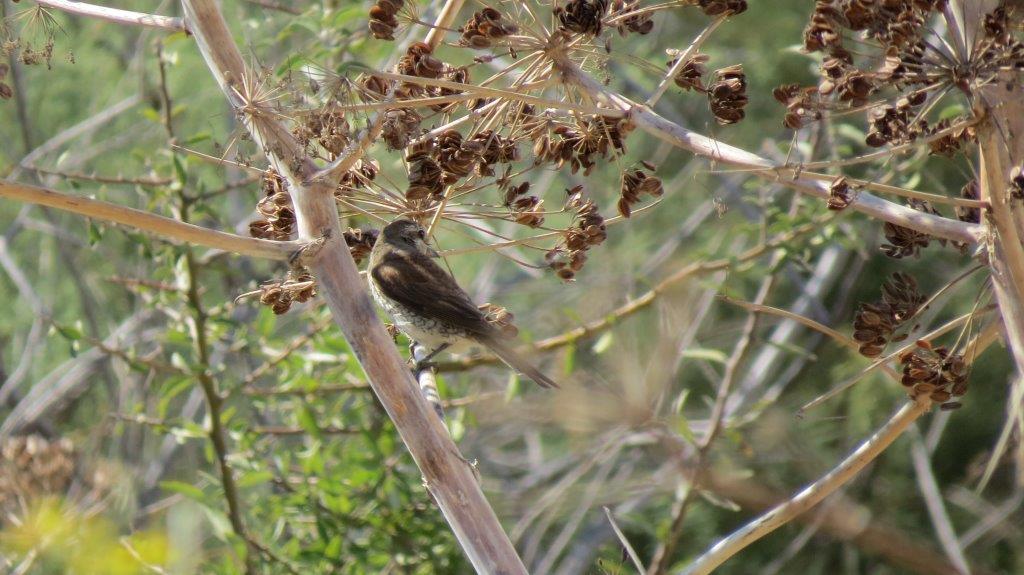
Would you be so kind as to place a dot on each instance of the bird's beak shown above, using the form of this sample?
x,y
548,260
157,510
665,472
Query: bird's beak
x,y
430,251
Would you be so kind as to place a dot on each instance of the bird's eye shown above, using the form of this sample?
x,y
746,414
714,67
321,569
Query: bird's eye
x,y
422,234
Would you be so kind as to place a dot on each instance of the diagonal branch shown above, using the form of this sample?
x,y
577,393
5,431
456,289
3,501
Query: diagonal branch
x,y
117,15
144,221
715,150
448,477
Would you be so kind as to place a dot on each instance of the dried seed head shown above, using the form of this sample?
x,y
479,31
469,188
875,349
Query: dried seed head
x,y
582,16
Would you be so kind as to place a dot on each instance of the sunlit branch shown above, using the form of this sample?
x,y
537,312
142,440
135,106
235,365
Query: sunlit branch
x,y
147,222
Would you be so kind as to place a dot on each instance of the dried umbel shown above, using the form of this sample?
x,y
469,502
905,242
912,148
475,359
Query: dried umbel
x,y
494,149
629,17
904,242
456,158
635,184
727,95
500,318
399,127
32,466
803,105
358,176
426,178
934,372
720,7
953,141
576,145
587,231
485,27
419,61
329,129
383,20
840,194
691,75
528,211
298,286
278,221
582,16
876,323
968,214
360,242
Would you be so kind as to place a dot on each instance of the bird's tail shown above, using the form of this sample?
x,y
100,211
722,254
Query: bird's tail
x,y
510,356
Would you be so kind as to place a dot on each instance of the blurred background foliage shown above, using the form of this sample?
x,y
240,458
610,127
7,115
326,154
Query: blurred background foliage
x,y
107,348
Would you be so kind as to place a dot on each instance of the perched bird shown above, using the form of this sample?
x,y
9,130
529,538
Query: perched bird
x,y
427,304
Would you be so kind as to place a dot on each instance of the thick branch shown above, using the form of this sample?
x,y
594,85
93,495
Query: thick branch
x,y
448,477
144,221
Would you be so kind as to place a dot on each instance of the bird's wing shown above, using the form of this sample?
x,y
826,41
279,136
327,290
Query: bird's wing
x,y
417,282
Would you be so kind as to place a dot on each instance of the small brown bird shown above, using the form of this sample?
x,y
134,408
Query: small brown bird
x,y
427,303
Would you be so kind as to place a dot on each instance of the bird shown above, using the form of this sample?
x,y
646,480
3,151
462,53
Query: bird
x,y
428,305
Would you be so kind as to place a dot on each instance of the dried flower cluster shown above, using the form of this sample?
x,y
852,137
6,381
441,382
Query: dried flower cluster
x,y
577,144
298,286
278,221
840,194
383,18
32,466
904,242
587,231
934,372
635,184
803,105
873,46
691,75
968,214
500,318
727,95
721,7
875,324
629,17
582,16
360,242
485,27
329,129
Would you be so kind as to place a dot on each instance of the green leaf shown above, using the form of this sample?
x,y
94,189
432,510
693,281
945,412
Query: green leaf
x,y
705,354
72,333
220,523
95,233
513,387
603,343
251,478
186,489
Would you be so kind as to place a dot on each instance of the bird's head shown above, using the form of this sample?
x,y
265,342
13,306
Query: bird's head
x,y
407,235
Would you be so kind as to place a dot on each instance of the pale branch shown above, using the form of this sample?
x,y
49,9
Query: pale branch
x,y
143,221
446,474
814,493
116,15
443,22
717,151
